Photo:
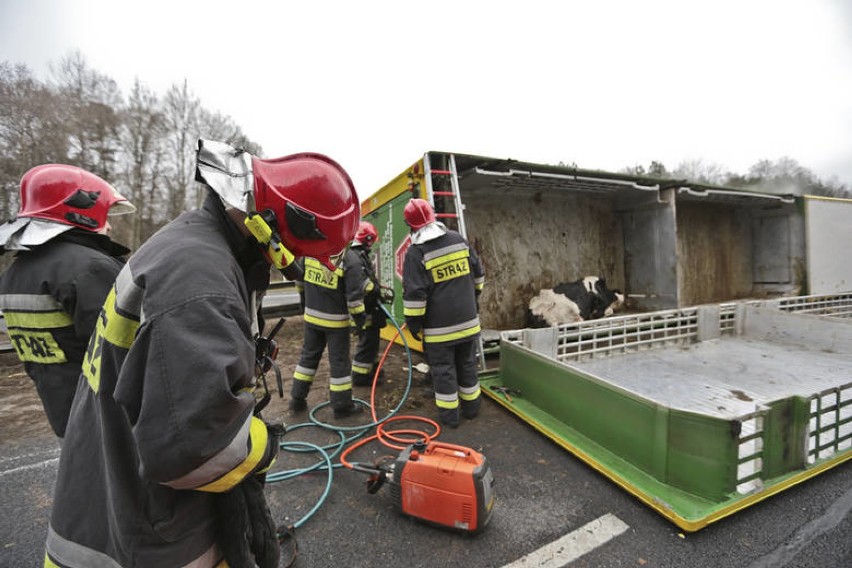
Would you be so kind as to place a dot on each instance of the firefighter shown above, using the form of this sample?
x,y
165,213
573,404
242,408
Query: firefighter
x,y
164,455
63,269
333,303
442,280
366,358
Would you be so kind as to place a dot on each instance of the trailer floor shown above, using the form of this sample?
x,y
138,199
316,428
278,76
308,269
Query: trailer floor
x,y
726,377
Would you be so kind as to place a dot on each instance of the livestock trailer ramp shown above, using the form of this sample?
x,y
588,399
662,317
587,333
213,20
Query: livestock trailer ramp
x,y
699,412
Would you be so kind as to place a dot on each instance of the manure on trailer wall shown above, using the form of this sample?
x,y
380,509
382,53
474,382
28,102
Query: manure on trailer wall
x,y
529,240
716,240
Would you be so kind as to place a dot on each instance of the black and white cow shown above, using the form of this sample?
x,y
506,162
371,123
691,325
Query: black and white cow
x,y
571,302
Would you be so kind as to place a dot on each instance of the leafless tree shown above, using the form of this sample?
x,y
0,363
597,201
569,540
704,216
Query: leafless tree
x,y
142,141
32,131
697,170
91,102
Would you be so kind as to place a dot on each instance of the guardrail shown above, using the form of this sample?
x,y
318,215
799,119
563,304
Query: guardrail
x,y
281,301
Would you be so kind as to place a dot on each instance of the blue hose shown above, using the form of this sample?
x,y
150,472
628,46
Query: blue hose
x,y
325,461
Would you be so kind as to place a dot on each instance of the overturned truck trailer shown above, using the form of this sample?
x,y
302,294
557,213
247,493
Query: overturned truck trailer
x,y
698,411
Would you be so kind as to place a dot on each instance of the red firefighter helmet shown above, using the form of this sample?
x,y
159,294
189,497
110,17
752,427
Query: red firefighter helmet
x,y
418,213
314,201
366,234
71,196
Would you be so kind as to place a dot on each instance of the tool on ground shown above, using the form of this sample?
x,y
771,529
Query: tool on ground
x,y
506,391
442,484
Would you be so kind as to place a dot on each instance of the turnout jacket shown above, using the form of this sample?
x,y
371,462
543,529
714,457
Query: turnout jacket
x,y
442,279
331,298
50,297
162,420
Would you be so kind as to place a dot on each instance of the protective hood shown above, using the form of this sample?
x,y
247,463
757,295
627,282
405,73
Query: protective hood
x,y
428,233
227,170
25,232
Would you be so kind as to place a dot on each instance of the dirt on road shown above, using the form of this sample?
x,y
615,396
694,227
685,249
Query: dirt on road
x,y
22,416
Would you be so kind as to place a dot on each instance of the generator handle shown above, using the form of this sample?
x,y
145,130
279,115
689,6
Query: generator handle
x,y
451,450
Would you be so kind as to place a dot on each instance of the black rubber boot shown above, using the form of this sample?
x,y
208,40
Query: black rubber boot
x,y
449,417
470,408
344,411
360,380
298,405
381,378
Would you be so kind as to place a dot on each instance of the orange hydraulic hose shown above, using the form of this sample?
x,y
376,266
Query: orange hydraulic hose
x,y
387,437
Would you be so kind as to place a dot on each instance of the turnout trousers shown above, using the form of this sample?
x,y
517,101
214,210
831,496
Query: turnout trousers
x,y
455,379
340,381
366,356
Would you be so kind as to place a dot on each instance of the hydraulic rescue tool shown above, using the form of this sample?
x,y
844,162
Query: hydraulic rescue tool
x,y
441,484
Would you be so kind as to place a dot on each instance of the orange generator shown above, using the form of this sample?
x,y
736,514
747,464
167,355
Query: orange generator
x,y
443,484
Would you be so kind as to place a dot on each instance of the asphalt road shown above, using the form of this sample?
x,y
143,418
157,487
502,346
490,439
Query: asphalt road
x,y
543,494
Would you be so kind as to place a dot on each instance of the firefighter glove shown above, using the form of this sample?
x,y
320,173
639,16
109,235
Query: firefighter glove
x,y
274,433
360,320
246,532
415,326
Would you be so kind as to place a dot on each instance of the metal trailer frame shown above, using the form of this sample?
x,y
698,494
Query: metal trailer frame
x,y
683,408
666,243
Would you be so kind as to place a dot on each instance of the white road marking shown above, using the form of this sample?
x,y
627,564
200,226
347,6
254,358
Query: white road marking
x,y
574,544
27,467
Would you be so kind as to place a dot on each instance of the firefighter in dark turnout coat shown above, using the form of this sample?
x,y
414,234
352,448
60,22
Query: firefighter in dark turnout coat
x,y
366,357
164,453
64,266
333,304
442,279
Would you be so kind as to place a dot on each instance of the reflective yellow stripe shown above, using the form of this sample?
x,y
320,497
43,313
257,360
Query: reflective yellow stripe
x,y
37,320
360,369
259,437
119,330
303,377
37,347
340,388
451,336
451,270
111,327
48,563
314,263
444,259
414,312
357,309
469,396
447,403
267,468
325,322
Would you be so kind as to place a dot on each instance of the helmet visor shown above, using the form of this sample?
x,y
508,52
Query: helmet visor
x,y
120,205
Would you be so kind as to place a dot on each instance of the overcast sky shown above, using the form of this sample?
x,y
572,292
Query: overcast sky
x,y
375,84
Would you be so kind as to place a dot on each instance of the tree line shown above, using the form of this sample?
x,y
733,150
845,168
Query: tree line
x,y
784,175
142,143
